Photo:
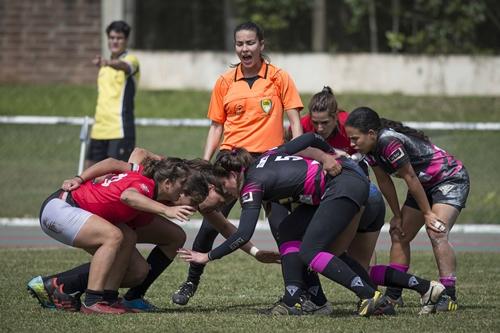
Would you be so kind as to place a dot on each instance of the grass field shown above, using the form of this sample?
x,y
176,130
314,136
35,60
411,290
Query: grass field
x,y
234,288
35,159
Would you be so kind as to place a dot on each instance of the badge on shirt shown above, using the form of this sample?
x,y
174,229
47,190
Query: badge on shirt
x,y
266,105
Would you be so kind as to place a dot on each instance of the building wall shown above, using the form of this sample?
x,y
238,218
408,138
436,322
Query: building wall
x,y
49,41
414,75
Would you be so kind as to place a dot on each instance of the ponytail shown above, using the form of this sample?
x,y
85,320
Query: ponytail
x,y
236,159
365,119
324,101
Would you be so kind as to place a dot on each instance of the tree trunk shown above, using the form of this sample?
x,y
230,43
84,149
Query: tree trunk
x,y
372,13
229,25
319,26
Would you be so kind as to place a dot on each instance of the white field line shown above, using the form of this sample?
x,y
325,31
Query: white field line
x,y
262,225
50,120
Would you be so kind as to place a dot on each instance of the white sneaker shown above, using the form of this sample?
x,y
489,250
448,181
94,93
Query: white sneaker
x,y
431,297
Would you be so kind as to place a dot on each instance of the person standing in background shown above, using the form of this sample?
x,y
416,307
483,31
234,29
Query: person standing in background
x,y
113,132
246,109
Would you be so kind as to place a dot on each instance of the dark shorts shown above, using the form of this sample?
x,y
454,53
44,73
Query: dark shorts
x,y
453,191
119,149
373,217
348,184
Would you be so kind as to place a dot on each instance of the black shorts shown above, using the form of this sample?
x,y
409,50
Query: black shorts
x,y
349,184
453,191
119,149
373,217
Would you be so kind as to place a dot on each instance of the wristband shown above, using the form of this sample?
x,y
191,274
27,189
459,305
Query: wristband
x,y
253,251
83,181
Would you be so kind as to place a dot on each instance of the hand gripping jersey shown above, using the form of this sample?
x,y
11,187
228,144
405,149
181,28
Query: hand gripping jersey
x,y
279,176
103,198
432,165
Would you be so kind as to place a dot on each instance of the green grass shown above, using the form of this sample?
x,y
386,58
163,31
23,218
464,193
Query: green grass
x,y
67,100
234,288
36,158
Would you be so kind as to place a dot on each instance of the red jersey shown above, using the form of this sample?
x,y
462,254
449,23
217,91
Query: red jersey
x,y
103,198
338,139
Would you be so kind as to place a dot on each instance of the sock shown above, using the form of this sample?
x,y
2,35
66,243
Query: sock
x,y
387,276
92,297
110,296
335,269
158,262
313,286
84,268
74,283
358,269
449,283
292,269
392,292
195,272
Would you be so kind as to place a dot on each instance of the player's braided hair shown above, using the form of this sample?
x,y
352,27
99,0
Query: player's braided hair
x,y
228,160
324,101
365,119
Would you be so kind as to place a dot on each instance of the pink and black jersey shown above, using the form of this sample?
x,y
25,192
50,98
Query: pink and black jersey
x,y
280,177
103,198
432,165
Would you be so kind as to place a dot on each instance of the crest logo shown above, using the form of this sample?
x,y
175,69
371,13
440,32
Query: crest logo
x,y
266,105
356,282
292,290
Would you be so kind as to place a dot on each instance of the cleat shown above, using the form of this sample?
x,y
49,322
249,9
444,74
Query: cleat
x,y
386,308
430,299
311,308
372,306
184,293
446,304
37,289
281,309
102,308
396,302
62,300
139,305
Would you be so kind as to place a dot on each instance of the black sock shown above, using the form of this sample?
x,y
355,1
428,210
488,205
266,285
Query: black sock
x,y
338,271
358,269
84,268
396,278
110,296
74,283
388,276
92,297
158,262
292,268
195,272
313,287
452,292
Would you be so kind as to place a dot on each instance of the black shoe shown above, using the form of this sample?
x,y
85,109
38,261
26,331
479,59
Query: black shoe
x,y
184,293
62,300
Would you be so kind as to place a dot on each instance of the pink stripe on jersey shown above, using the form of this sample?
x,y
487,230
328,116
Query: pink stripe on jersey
x,y
377,274
290,247
250,187
310,181
320,261
399,267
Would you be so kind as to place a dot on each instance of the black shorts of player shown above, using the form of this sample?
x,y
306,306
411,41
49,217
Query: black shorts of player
x,y
373,217
452,191
119,149
349,184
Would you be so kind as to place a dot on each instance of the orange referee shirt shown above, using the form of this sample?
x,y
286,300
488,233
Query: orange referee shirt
x,y
253,117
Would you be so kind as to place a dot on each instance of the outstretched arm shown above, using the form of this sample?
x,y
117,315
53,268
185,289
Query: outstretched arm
x,y
104,167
